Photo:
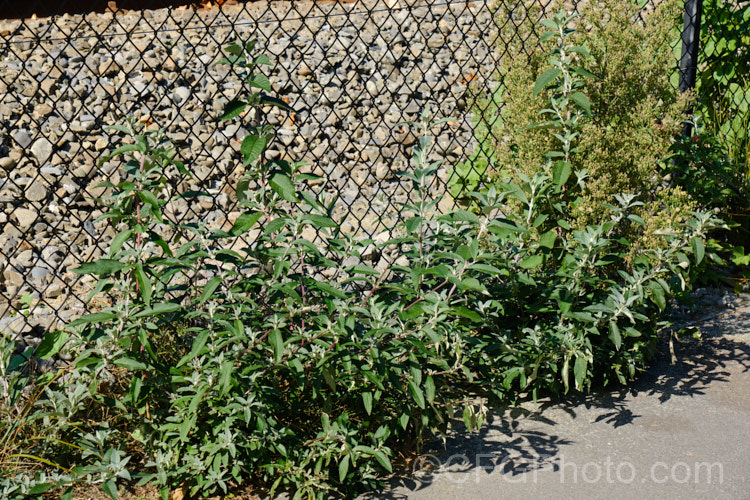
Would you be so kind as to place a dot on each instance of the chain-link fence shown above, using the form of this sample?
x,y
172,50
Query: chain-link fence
x,y
352,71
723,77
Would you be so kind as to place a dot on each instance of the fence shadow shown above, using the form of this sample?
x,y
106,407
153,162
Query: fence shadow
x,y
521,439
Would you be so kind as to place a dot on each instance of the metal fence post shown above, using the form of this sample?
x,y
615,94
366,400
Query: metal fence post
x,y
691,31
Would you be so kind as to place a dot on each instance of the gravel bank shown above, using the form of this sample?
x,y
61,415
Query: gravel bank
x,y
352,72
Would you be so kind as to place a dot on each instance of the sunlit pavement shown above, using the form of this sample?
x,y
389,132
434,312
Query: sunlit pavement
x,y
681,431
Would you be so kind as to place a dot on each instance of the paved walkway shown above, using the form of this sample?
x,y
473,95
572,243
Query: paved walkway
x,y
681,431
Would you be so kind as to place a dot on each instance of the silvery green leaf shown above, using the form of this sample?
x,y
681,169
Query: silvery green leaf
x,y
545,79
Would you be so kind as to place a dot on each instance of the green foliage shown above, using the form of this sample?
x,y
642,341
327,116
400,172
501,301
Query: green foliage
x,y
711,164
628,122
39,433
701,166
468,176
723,82
584,304
291,363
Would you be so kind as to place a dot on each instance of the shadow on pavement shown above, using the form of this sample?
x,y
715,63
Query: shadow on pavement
x,y
500,445
515,449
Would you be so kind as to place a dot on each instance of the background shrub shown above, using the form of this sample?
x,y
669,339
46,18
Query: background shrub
x,y
635,113
723,83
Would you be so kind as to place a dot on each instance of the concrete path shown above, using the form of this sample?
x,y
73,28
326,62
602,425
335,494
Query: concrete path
x,y
682,431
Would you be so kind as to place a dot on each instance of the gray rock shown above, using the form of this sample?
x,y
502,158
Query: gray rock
x,y
81,127
181,94
50,170
50,253
42,149
22,138
412,108
16,326
25,258
33,341
380,63
25,217
90,228
332,94
39,273
36,191
69,186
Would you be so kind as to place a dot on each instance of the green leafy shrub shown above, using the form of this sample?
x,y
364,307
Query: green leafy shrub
x,y
277,360
586,279
701,166
469,175
723,82
288,362
714,161
630,119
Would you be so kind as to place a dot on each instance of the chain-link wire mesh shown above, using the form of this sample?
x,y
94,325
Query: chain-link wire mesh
x,y
353,72
723,76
